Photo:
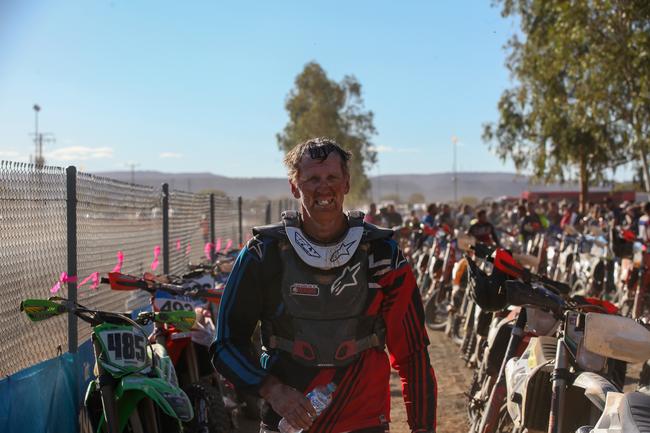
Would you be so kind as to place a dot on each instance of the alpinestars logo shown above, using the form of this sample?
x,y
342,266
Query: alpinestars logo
x,y
306,246
348,278
342,250
255,247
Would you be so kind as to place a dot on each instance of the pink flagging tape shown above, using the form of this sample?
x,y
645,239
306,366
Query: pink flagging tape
x,y
156,256
55,288
207,250
217,247
178,245
188,249
228,245
94,278
64,278
120,262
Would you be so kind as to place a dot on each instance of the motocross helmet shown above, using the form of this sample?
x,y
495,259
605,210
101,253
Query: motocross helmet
x,y
486,291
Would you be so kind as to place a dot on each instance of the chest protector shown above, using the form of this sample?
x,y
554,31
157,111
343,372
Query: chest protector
x,y
325,292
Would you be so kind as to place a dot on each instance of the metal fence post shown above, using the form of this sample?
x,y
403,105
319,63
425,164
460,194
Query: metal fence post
x,y
165,227
71,205
241,228
212,228
267,217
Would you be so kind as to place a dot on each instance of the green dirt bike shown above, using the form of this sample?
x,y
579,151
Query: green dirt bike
x,y
136,389
215,411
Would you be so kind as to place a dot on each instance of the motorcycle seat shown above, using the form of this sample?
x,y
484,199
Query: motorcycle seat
x,y
639,405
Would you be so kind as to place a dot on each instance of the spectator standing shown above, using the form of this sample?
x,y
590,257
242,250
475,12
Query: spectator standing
x,y
430,218
372,216
393,218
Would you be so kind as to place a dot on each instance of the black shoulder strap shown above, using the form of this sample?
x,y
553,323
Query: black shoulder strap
x,y
272,230
291,218
372,233
355,218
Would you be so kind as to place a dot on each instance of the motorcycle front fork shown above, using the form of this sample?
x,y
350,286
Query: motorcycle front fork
x,y
559,379
106,387
490,419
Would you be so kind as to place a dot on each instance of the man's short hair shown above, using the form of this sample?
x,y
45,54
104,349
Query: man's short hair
x,y
317,148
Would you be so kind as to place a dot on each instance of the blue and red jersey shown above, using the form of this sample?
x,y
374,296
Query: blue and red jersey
x,y
362,396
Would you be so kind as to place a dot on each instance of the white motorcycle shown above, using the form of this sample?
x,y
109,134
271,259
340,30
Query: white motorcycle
x,y
562,383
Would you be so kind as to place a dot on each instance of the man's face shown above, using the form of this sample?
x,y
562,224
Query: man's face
x,y
321,186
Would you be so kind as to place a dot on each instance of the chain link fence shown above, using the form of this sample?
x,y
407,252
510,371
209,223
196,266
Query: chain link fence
x,y
32,254
275,208
114,219
117,225
189,229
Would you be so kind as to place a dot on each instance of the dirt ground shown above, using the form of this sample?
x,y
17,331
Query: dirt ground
x,y
453,379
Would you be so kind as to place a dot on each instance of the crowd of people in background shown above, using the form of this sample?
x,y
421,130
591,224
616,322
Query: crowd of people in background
x,y
525,218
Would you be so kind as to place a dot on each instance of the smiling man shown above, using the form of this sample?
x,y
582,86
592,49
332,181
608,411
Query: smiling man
x,y
331,293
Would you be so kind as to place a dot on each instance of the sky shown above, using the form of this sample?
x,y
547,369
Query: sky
x,y
200,86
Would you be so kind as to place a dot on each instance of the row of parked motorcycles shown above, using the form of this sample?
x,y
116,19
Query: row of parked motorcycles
x,y
548,328
153,373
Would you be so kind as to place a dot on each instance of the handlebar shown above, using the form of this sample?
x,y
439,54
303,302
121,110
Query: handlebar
x,y
506,263
521,294
120,281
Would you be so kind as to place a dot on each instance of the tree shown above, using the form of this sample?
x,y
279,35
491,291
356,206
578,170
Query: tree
x,y
320,107
619,36
556,120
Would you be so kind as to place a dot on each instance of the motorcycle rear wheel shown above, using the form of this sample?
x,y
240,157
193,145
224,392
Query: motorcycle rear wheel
x,y
435,313
210,414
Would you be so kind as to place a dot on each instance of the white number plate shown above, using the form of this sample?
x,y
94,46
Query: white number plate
x,y
125,348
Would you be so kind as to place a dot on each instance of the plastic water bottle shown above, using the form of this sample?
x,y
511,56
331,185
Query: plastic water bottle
x,y
319,397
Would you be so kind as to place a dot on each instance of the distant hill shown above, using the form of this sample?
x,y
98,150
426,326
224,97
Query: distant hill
x,y
440,187
434,187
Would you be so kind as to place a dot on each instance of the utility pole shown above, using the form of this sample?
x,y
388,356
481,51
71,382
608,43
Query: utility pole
x,y
39,159
132,166
38,139
454,142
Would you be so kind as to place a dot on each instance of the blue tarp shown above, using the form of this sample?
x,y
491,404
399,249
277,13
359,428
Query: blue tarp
x,y
47,397
41,399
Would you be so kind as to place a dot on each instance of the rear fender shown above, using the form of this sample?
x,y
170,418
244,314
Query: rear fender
x,y
596,388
